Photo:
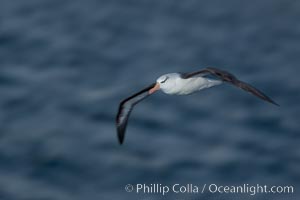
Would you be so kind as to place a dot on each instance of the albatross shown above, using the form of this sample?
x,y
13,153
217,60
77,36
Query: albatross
x,y
182,84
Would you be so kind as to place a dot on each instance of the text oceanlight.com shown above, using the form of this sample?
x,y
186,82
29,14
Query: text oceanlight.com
x,y
207,188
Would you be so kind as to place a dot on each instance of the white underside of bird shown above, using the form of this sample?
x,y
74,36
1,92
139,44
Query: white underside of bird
x,y
178,86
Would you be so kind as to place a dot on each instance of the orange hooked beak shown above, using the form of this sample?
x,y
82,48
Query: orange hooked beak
x,y
155,88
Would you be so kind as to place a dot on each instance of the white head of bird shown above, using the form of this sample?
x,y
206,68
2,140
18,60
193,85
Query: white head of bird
x,y
166,83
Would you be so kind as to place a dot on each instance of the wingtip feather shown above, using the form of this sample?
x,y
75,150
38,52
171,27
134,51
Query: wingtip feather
x,y
276,104
121,141
120,136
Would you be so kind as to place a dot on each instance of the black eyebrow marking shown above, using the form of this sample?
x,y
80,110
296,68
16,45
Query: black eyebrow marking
x,y
165,80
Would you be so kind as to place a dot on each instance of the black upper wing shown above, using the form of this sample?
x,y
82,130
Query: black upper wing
x,y
125,108
228,77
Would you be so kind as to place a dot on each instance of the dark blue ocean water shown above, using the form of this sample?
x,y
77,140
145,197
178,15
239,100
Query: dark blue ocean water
x,y
65,65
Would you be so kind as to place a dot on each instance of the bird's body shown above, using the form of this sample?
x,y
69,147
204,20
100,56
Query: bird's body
x,y
176,85
181,84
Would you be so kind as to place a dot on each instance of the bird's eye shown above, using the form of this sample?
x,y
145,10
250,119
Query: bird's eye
x,y
164,80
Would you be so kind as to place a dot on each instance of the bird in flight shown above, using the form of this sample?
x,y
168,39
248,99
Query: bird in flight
x,y
181,84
